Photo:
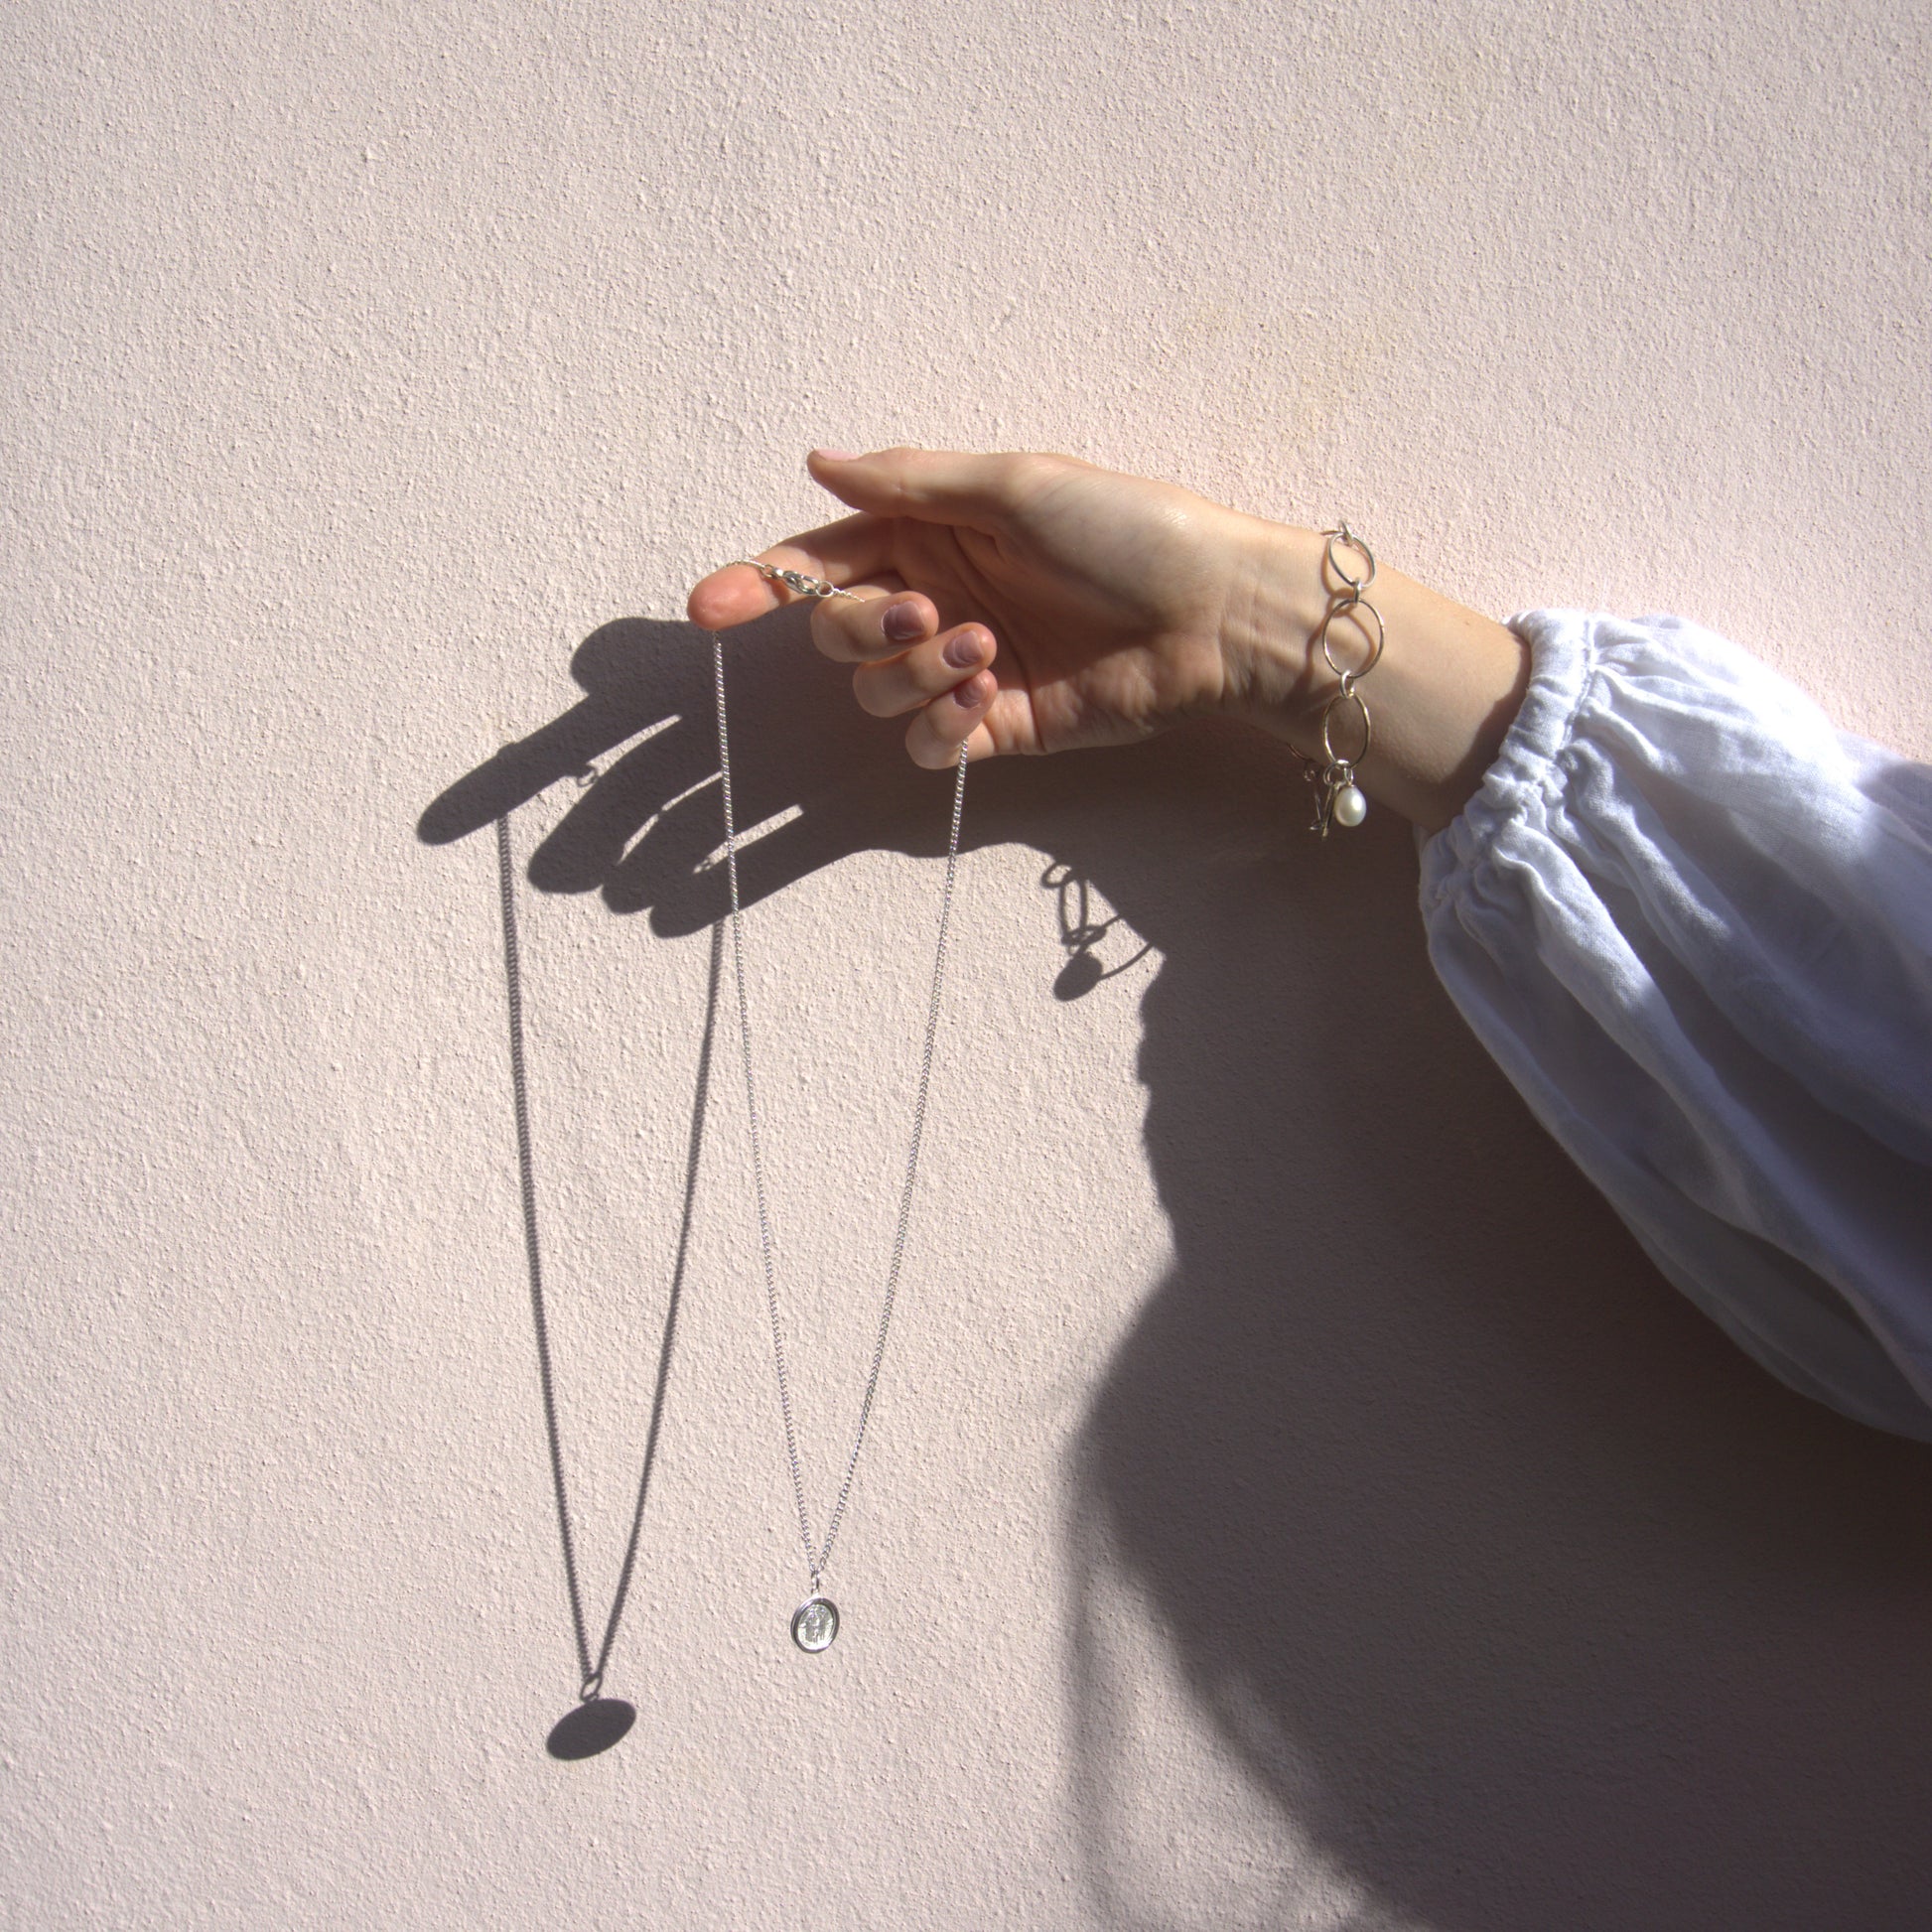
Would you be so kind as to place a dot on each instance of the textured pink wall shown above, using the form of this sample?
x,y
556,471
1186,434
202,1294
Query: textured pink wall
x,y
1294,1501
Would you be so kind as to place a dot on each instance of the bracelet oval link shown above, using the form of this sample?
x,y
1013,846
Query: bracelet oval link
x,y
1352,759
1347,539
1355,606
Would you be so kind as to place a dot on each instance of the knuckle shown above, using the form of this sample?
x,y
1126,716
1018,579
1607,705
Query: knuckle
x,y
1023,473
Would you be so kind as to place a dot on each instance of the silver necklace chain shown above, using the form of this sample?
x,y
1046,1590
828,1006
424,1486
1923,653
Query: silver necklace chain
x,y
592,1666
818,1554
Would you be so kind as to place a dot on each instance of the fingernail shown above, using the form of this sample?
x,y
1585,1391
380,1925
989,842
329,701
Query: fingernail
x,y
965,650
902,623
836,456
967,696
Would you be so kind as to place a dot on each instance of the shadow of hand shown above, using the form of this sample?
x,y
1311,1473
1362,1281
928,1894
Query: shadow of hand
x,y
648,830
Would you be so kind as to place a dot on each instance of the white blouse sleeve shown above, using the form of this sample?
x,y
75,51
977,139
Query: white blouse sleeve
x,y
1693,923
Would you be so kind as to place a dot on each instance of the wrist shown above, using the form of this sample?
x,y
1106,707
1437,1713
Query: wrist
x,y
1443,691
1275,678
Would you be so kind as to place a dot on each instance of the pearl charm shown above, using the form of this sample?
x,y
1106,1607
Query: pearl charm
x,y
1350,807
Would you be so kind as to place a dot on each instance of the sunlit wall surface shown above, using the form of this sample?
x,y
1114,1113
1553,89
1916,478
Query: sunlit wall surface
x,y
1291,1500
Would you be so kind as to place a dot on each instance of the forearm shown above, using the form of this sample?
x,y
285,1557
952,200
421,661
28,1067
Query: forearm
x,y
1440,696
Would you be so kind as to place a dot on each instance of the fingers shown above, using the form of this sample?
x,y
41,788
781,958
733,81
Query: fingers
x,y
939,728
930,486
942,679
896,685
936,485
877,624
905,662
844,553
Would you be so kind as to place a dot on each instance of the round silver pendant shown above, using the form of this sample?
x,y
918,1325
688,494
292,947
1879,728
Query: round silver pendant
x,y
814,1623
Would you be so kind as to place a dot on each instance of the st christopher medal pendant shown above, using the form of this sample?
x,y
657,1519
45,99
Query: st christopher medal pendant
x,y
814,1623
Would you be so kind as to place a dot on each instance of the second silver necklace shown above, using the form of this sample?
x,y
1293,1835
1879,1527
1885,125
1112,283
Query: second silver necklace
x,y
815,1622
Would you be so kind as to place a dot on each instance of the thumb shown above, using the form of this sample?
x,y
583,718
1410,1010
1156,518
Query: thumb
x,y
933,486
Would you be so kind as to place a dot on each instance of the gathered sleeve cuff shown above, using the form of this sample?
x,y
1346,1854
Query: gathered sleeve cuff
x,y
1691,921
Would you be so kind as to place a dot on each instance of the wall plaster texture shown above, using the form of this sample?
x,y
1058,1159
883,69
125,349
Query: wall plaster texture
x,y
1294,1501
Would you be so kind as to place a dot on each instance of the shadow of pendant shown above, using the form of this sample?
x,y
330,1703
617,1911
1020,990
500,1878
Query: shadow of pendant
x,y
595,1725
1079,977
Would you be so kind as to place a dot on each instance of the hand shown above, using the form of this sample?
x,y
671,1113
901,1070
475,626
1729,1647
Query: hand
x,y
1019,603
1035,602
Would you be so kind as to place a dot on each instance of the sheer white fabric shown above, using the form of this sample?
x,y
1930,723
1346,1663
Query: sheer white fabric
x,y
1693,923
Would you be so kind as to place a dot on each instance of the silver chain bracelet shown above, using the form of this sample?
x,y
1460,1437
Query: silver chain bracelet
x,y
1337,798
